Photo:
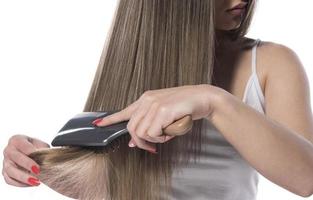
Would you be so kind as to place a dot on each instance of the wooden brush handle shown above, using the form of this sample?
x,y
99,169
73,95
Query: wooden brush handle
x,y
179,127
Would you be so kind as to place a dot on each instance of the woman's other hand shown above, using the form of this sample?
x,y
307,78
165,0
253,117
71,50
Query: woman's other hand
x,y
18,169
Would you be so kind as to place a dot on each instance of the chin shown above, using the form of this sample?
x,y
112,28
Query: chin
x,y
230,27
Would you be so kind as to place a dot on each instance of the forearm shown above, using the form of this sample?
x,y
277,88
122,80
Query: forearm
x,y
278,153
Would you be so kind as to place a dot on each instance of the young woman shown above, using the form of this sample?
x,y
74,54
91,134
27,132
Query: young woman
x,y
256,108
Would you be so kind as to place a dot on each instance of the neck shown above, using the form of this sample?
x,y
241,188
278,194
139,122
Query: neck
x,y
225,40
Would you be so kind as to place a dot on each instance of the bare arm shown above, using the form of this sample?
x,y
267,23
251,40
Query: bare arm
x,y
279,144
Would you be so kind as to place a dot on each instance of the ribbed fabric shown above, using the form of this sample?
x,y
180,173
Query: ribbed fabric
x,y
221,173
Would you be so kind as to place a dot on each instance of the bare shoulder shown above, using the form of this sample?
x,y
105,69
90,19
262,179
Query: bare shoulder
x,y
274,61
278,58
281,64
287,90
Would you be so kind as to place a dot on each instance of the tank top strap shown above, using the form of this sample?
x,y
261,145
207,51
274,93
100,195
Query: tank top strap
x,y
254,56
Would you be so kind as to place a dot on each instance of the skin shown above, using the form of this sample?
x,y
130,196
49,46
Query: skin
x,y
225,20
17,166
278,144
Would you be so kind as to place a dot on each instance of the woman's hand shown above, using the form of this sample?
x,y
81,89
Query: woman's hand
x,y
17,166
156,109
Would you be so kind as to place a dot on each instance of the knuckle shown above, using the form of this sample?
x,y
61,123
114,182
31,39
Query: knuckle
x,y
150,98
130,127
155,104
151,134
163,109
148,95
167,114
12,140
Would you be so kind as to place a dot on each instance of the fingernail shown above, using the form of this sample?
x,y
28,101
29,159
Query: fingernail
x,y
131,144
33,181
96,122
35,169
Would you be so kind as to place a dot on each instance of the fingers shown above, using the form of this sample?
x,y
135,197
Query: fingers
x,y
141,116
143,144
13,182
131,127
168,137
22,144
39,144
145,123
22,160
120,116
161,117
17,166
19,175
132,143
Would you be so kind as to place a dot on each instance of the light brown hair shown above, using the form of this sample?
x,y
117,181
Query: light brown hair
x,y
152,44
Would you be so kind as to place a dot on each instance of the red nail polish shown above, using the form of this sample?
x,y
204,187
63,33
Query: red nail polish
x,y
33,181
95,122
35,169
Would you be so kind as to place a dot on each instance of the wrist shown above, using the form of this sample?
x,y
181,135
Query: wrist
x,y
217,99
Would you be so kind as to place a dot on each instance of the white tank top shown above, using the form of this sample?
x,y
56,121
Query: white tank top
x,y
221,173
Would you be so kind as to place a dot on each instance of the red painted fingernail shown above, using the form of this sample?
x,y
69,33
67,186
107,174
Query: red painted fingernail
x,y
35,169
33,181
96,122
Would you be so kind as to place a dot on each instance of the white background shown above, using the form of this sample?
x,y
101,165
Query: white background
x,y
49,51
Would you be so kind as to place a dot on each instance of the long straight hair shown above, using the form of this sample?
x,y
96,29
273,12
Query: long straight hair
x,y
152,44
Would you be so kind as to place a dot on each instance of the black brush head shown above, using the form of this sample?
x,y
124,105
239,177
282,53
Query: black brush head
x,y
79,131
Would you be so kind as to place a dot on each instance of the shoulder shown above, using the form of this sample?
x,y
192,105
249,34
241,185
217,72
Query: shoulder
x,y
279,63
271,52
277,54
273,57
287,90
